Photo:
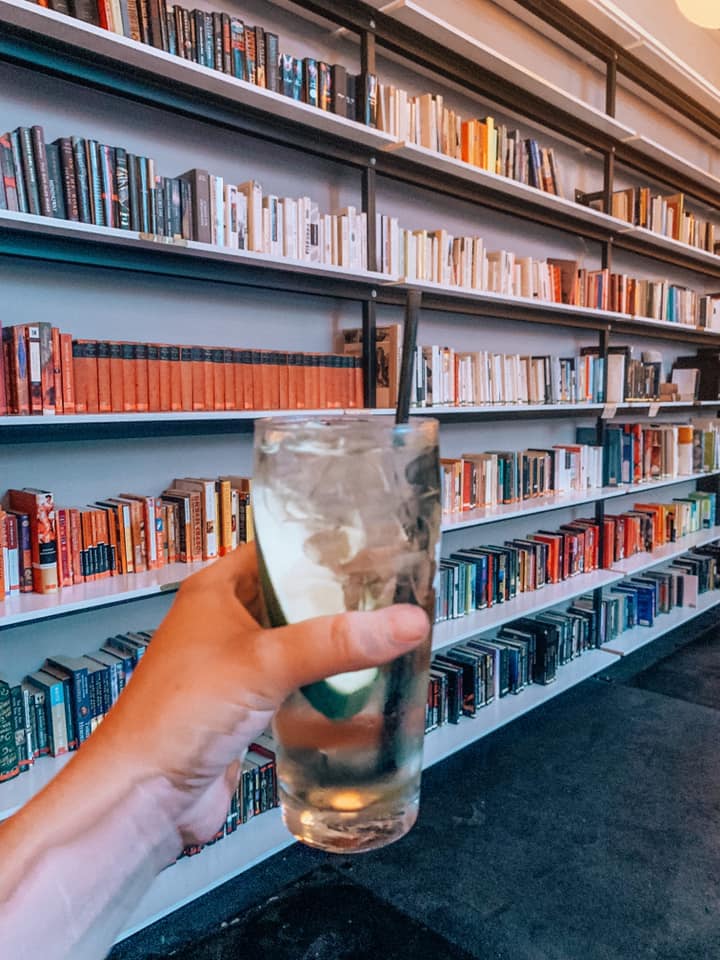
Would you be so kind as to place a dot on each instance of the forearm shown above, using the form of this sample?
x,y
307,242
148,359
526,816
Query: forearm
x,y
78,858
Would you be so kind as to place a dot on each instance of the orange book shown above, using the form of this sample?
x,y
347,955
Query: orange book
x,y
153,377
120,520
117,389
305,394
322,373
223,488
239,374
40,507
283,382
176,386
315,384
229,379
218,378
75,544
247,374
68,379
57,370
141,378
103,373
208,380
185,367
191,520
128,368
4,585
86,378
164,377
198,378
136,529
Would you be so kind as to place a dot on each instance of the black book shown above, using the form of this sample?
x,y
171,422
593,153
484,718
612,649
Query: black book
x,y
82,180
310,81
199,22
133,191
122,187
16,151
29,170
87,11
106,161
67,172
61,6
217,32
171,30
272,62
41,168
95,180
56,182
226,45
200,189
338,86
209,36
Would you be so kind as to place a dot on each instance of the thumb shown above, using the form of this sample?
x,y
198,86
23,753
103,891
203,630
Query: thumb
x,y
313,649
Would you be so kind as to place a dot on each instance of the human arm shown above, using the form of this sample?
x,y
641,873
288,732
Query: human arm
x,y
159,772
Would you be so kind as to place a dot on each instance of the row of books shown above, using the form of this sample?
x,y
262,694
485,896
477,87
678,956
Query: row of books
x,y
45,547
427,121
44,371
83,180
443,376
481,577
637,452
436,256
666,215
483,669
231,46
56,708
510,476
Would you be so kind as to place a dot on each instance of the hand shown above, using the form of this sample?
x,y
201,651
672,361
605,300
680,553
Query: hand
x,y
212,678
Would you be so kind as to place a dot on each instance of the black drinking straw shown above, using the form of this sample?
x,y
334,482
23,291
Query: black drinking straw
x,y
412,309
389,757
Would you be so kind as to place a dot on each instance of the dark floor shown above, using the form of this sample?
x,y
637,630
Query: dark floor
x,y
586,830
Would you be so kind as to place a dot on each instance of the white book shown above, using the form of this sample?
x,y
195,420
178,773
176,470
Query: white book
x,y
290,228
254,195
231,222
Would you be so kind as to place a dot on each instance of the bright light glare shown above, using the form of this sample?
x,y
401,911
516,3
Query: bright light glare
x,y
705,13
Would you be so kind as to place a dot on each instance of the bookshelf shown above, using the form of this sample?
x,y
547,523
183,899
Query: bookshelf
x,y
169,95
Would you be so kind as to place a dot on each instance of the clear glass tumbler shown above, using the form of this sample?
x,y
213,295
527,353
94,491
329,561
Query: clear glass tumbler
x,y
347,517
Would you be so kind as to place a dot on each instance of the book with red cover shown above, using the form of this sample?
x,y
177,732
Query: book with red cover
x,y
105,404
40,507
57,372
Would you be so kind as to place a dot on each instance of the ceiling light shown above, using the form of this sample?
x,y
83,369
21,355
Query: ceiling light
x,y
705,13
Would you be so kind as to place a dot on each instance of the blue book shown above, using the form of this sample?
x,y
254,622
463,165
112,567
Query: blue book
x,y
74,668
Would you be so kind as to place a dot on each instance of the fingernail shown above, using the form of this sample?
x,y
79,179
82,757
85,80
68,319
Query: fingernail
x,y
409,624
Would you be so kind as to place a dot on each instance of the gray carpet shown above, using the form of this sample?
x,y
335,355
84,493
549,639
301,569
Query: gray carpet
x,y
586,830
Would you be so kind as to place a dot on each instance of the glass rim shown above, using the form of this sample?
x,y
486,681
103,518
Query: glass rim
x,y
383,422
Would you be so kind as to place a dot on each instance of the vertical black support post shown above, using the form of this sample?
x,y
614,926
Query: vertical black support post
x,y
603,345
412,314
611,85
369,208
365,90
369,359
608,179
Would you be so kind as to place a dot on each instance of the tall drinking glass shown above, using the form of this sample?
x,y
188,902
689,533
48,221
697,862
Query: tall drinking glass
x,y
347,517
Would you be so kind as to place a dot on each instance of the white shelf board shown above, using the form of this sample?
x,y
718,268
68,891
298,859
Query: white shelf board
x,y
638,637
579,409
562,309
30,607
656,151
417,17
16,793
431,159
676,246
71,230
668,551
167,67
453,737
448,632
181,416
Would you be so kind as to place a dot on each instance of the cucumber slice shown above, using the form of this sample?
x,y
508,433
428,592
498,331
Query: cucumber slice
x,y
343,695
312,591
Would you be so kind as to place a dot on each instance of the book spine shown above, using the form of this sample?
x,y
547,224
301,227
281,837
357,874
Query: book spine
x,y
17,159
9,762
56,182
30,170
122,188
8,173
82,181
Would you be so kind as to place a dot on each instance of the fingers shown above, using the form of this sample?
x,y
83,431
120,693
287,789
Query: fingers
x,y
304,652
238,571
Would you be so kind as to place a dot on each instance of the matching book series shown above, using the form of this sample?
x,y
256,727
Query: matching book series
x,y
46,372
474,674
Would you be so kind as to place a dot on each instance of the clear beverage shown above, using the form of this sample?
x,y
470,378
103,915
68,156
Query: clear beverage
x,y
347,517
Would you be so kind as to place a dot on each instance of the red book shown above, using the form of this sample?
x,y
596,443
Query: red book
x,y
104,376
218,376
117,383
176,384
64,549
153,376
141,378
185,365
40,507
229,379
76,545
128,356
